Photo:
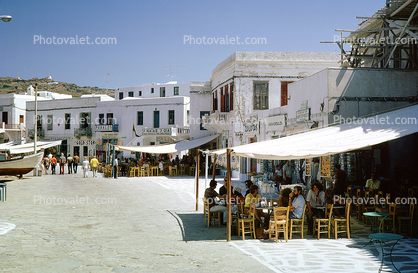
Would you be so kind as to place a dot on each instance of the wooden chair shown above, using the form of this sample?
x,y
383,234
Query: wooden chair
x,y
368,207
246,222
297,224
359,207
343,224
323,225
409,218
411,192
131,172
172,171
392,212
279,222
211,215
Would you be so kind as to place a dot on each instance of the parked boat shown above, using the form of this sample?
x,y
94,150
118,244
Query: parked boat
x,y
19,165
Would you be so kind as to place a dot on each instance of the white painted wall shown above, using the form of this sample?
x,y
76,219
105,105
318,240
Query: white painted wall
x,y
184,89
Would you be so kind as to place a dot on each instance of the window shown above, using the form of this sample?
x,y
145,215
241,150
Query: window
x,y
283,93
188,117
140,93
49,122
202,114
121,95
109,118
84,120
140,118
261,95
215,100
67,121
5,117
162,92
102,119
38,122
131,94
170,116
156,119
176,90
21,119
152,90
231,96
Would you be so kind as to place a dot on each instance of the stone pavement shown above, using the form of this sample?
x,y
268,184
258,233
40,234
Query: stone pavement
x,y
72,224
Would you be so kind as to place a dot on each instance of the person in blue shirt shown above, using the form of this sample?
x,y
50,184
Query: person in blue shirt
x,y
296,203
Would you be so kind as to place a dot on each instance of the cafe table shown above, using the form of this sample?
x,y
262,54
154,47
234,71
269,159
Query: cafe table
x,y
382,237
372,214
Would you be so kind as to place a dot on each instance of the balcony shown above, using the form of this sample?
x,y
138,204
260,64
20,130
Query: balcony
x,y
107,128
39,133
83,131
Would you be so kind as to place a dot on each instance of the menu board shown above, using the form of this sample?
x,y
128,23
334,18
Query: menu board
x,y
308,167
325,166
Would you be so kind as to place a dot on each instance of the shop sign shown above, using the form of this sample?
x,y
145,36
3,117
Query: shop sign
x,y
110,136
304,105
156,131
275,123
104,128
303,115
164,139
84,142
251,129
239,134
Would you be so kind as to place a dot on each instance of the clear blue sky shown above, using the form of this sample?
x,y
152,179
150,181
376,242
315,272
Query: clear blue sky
x,y
150,35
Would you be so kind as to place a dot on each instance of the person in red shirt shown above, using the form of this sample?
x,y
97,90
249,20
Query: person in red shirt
x,y
53,164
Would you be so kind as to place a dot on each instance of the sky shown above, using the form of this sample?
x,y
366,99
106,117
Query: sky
x,y
131,43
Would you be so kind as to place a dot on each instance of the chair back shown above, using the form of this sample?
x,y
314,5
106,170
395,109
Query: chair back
x,y
240,209
380,194
411,192
387,198
411,210
347,211
349,190
280,213
368,193
358,193
328,211
392,209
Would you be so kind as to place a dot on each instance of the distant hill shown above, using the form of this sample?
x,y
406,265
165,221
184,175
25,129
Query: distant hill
x,y
17,85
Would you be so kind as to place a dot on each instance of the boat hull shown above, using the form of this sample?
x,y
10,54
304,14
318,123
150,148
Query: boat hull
x,y
20,166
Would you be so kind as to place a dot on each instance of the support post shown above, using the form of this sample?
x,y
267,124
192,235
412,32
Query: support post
x,y
228,208
197,178
214,168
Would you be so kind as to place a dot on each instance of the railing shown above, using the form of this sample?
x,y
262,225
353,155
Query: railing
x,y
83,131
10,126
39,133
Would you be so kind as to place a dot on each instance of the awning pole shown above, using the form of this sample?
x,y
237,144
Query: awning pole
x,y
197,178
214,168
228,210
206,170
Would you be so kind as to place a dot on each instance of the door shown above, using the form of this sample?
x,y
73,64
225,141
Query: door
x,y
253,161
156,119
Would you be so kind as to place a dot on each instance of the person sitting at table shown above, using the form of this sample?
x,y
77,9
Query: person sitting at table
x,y
210,195
314,199
373,183
284,197
248,184
296,203
255,198
223,190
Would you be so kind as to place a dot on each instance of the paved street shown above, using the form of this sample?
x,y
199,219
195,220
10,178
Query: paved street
x,y
68,223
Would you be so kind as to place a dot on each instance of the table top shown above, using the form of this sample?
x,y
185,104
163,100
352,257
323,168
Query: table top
x,y
385,236
376,214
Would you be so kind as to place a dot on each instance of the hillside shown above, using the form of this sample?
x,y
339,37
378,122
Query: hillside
x,y
17,86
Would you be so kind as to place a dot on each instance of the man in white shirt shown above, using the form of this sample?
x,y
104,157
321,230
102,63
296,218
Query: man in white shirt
x,y
373,183
314,199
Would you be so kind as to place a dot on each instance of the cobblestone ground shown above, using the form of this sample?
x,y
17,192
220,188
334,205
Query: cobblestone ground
x,y
68,223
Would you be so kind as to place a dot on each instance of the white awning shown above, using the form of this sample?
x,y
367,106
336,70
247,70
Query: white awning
x,y
169,148
364,132
29,147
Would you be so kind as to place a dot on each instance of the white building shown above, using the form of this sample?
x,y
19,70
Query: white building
x,y
153,90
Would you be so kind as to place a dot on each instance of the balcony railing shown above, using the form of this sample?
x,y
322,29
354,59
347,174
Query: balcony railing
x,y
39,133
83,131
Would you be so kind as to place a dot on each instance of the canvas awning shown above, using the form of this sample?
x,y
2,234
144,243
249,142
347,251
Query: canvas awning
x,y
363,132
29,147
169,148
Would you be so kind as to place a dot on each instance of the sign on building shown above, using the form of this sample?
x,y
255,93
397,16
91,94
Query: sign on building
x,y
275,123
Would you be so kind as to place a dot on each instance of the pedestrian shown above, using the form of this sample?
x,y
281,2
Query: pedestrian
x,y
75,162
115,168
94,163
85,167
62,161
46,164
53,164
70,164
287,173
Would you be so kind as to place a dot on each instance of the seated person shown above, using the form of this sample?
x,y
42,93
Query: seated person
x,y
373,183
314,199
296,203
210,195
248,184
255,198
284,197
223,190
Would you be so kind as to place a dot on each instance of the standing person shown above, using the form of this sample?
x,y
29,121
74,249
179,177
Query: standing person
x,y
115,168
70,164
287,173
161,167
314,170
75,162
94,163
296,203
278,177
340,181
85,167
63,160
53,164
46,164
314,199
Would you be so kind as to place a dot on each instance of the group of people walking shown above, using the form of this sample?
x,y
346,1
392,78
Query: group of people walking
x,y
50,161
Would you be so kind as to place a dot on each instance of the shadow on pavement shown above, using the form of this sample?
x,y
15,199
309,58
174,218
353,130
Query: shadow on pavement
x,y
193,229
